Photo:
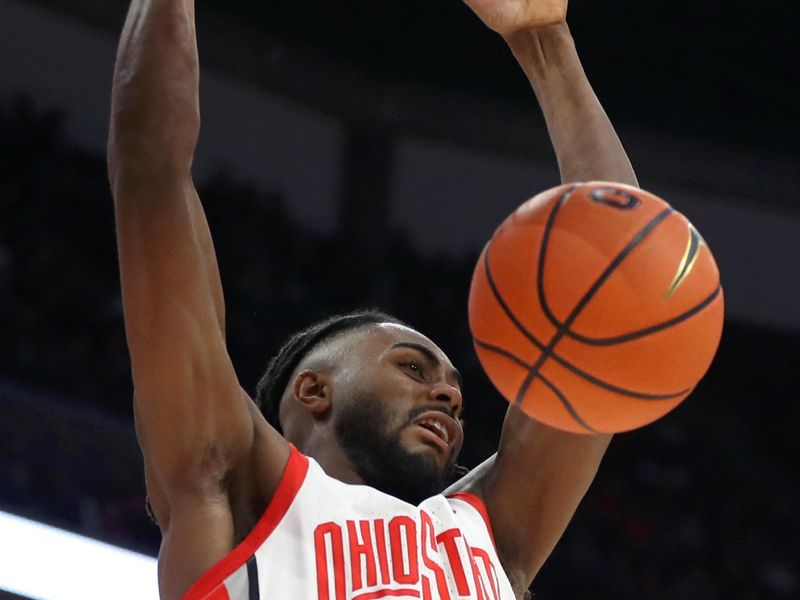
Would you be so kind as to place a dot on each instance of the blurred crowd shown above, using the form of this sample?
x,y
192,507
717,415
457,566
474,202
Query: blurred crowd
x,y
700,505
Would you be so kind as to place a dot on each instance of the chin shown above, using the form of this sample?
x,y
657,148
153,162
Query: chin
x,y
393,462
411,474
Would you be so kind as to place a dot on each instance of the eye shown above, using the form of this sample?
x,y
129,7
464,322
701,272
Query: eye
x,y
416,368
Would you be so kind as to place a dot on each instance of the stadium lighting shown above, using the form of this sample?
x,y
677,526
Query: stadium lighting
x,y
46,563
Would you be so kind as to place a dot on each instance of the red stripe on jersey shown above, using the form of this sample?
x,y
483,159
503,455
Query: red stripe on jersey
x,y
220,593
477,503
206,588
408,593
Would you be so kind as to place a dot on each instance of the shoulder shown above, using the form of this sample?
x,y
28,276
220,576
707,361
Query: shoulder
x,y
473,481
467,497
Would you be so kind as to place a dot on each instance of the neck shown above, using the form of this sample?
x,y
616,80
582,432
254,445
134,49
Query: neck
x,y
332,459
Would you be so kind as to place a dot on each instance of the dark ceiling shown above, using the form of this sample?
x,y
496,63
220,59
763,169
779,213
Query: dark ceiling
x,y
724,70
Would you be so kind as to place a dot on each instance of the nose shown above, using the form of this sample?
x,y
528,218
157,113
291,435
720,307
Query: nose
x,y
444,392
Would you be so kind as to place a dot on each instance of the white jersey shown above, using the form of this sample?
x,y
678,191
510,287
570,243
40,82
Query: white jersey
x,y
321,539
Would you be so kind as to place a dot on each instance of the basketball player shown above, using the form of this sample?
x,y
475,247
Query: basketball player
x,y
338,491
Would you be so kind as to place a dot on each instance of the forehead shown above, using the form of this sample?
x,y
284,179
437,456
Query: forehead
x,y
384,336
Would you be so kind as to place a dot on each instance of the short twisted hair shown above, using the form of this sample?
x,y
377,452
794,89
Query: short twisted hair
x,y
272,385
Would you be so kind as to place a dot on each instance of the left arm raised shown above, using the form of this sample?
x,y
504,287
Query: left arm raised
x,y
584,140
534,483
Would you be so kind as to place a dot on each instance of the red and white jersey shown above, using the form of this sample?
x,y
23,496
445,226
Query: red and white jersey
x,y
321,539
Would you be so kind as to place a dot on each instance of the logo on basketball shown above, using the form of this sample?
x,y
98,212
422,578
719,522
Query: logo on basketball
x,y
615,197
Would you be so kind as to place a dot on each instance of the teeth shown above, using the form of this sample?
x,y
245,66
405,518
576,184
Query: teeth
x,y
438,427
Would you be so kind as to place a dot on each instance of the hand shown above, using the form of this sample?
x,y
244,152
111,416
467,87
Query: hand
x,y
507,16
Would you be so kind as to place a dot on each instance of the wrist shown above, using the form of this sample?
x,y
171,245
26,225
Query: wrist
x,y
550,61
539,50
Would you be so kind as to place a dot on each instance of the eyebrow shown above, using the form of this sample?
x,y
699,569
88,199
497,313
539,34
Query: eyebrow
x,y
432,358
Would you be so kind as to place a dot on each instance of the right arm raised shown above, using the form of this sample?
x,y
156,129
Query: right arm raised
x,y
193,419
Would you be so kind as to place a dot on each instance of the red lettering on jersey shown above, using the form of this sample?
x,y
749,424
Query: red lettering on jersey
x,y
352,571
448,540
405,568
334,533
426,588
361,549
388,593
383,555
429,541
480,588
488,568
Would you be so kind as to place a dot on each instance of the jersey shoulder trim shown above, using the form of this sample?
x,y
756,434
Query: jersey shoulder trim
x,y
291,480
476,502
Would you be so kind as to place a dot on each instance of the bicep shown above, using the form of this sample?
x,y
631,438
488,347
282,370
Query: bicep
x,y
533,487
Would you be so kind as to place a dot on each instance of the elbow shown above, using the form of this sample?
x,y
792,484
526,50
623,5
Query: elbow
x,y
132,167
145,145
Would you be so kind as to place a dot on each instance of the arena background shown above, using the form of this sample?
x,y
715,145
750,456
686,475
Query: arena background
x,y
360,153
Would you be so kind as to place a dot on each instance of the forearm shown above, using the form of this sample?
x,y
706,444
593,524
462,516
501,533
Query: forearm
x,y
585,143
155,117
155,123
539,477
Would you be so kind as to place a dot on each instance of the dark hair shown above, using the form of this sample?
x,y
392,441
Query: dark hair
x,y
272,385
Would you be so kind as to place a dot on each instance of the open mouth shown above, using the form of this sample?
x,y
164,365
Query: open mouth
x,y
437,428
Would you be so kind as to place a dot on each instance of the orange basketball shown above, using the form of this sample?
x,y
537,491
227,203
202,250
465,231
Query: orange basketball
x,y
596,307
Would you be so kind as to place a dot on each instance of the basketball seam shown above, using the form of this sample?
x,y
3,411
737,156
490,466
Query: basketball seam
x,y
584,301
640,333
563,329
583,374
551,217
625,337
559,394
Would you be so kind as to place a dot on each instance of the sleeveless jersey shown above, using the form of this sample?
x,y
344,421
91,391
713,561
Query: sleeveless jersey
x,y
321,539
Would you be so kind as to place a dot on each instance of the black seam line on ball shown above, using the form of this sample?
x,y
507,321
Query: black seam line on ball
x,y
556,357
570,409
551,218
559,394
627,337
502,352
548,350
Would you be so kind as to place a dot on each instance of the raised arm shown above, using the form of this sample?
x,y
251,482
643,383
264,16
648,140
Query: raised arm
x,y
194,421
586,145
535,482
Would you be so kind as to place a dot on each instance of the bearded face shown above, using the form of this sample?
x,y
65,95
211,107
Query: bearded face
x,y
371,436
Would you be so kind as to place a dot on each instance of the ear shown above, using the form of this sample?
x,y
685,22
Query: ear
x,y
312,390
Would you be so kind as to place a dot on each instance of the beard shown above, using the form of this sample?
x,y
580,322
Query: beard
x,y
363,428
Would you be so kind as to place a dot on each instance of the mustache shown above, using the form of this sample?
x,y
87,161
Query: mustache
x,y
417,411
